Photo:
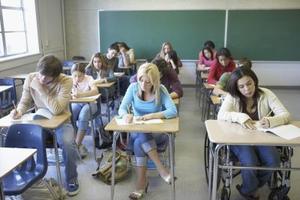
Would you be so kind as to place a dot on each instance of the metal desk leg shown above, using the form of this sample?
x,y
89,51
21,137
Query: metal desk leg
x,y
1,190
172,171
112,187
93,131
210,167
215,172
58,173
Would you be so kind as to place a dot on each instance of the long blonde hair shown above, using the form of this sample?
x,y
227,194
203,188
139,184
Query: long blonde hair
x,y
150,70
102,60
162,53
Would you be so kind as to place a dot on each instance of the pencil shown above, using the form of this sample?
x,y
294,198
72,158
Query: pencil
x,y
269,113
13,102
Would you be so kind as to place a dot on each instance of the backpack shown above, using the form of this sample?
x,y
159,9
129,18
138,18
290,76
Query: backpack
x,y
121,171
45,189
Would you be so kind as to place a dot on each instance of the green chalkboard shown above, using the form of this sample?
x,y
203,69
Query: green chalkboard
x,y
145,31
264,34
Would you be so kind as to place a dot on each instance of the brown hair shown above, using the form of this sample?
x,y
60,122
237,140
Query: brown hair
x,y
49,65
101,57
80,67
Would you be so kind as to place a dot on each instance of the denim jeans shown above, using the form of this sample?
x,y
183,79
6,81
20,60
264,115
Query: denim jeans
x,y
66,141
256,156
142,143
81,114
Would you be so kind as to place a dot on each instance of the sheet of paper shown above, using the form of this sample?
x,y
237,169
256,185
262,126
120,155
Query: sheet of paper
x,y
287,132
121,121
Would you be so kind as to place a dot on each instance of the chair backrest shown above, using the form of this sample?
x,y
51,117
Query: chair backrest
x,y
12,94
28,136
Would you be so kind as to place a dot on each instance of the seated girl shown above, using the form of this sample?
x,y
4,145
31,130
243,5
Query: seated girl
x,y
223,64
83,86
248,104
207,57
149,100
165,48
101,73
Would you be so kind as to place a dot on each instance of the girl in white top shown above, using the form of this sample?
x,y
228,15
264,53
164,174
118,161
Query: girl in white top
x,y
248,104
83,86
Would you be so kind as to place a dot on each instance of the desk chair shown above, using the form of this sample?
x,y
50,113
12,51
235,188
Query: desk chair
x,y
26,136
279,183
9,96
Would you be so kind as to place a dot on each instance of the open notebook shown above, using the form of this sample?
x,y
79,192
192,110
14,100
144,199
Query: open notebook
x,y
41,113
121,121
287,132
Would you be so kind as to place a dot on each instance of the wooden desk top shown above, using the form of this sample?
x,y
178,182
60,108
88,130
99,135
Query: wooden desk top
x,y
3,88
215,100
19,76
53,123
105,85
169,125
209,86
12,157
119,74
222,132
90,99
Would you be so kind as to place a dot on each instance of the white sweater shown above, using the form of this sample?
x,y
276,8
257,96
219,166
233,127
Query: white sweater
x,y
230,109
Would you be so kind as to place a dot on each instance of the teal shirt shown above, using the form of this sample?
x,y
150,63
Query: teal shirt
x,y
141,107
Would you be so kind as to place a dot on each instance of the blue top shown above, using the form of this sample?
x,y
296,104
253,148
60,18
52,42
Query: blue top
x,y
141,107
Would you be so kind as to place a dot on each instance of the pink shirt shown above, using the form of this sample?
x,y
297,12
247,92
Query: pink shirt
x,y
84,85
206,62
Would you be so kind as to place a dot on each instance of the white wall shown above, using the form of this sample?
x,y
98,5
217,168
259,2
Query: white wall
x,y
51,39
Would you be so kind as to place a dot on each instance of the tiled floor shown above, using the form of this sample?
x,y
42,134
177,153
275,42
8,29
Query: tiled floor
x,y
191,183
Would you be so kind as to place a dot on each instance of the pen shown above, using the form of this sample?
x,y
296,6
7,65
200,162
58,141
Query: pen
x,y
269,113
15,107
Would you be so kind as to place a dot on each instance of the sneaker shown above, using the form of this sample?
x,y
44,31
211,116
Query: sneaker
x,y
73,188
83,151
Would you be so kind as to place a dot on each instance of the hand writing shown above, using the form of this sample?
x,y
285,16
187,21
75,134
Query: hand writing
x,y
15,114
264,123
128,118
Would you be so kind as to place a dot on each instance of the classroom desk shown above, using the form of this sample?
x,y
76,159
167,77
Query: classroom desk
x,y
89,101
170,126
3,88
51,124
106,86
222,133
20,77
10,159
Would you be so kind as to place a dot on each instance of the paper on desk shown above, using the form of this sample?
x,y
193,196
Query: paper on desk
x,y
121,121
287,132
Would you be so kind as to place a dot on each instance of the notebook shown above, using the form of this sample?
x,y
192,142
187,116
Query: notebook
x,y
121,121
41,113
287,132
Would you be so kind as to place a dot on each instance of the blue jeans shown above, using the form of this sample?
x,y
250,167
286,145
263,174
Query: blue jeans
x,y
66,141
142,143
81,114
256,156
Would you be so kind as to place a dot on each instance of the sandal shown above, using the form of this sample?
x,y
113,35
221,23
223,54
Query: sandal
x,y
139,194
246,196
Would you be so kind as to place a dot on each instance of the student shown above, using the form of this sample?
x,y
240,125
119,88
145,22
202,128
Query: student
x,y
224,64
207,56
165,48
172,60
168,78
246,104
101,73
83,86
149,100
220,88
48,88
126,56
111,58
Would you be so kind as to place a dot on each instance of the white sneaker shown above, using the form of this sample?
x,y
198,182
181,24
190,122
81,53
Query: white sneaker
x,y
83,151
